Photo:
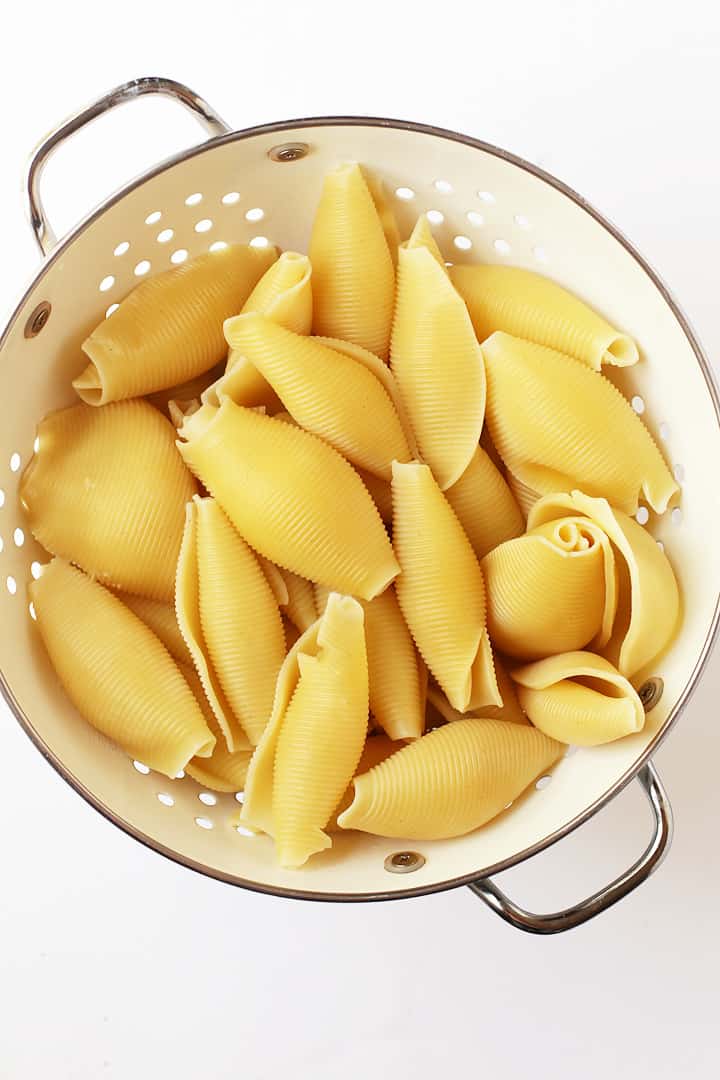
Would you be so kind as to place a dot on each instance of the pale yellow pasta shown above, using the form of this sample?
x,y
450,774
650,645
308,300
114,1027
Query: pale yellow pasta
x,y
649,595
382,372
397,698
162,620
510,709
116,672
484,505
326,392
579,698
223,770
299,607
451,781
322,734
275,579
243,384
524,496
557,425
531,306
300,504
437,364
257,810
383,205
377,749
397,675
169,328
107,491
552,590
380,492
441,590
291,633
185,391
422,237
353,272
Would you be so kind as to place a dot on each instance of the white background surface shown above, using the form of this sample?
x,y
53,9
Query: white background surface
x,y
116,963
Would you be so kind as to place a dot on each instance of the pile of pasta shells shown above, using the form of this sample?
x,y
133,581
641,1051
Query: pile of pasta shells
x,y
352,531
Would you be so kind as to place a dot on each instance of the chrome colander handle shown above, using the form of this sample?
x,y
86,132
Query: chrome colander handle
x,y
576,915
211,121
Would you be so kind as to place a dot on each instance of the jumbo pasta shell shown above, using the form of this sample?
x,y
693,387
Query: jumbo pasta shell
x,y
441,590
377,748
559,425
579,698
117,673
107,491
397,698
325,391
649,593
223,770
438,366
169,328
353,273
484,505
451,781
292,497
534,307
162,620
552,590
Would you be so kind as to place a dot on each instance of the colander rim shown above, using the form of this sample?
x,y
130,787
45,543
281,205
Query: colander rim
x,y
712,386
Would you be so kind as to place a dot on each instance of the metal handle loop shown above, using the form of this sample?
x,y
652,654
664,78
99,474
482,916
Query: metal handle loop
x,y
571,917
214,124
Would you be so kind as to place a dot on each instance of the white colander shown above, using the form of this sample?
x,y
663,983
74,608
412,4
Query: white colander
x,y
485,204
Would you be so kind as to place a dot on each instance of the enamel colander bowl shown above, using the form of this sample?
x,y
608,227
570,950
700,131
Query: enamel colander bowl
x,y
262,185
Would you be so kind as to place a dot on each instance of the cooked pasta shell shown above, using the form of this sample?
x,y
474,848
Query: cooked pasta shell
x,y
322,734
441,590
531,306
300,605
169,328
422,237
385,212
107,491
326,392
524,496
291,633
353,273
451,781
557,425
257,811
380,492
649,593
579,698
189,390
510,709
162,620
377,749
187,608
275,580
552,590
116,672
223,770
382,372
484,505
437,364
292,497
397,675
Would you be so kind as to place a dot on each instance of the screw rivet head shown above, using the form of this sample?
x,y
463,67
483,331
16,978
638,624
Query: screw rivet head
x,y
404,862
291,151
37,319
650,692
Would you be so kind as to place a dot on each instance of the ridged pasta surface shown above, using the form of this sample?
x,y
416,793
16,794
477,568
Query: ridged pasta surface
x,y
223,770
579,698
451,781
325,391
510,709
186,391
353,272
292,497
531,306
322,734
162,620
397,700
524,496
169,328
377,748
484,505
649,592
422,237
300,605
437,364
187,609
385,212
552,590
558,425
240,619
117,673
107,491
440,589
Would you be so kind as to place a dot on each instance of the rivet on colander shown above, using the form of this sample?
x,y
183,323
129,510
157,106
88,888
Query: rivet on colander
x,y
404,862
650,692
38,319
289,151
